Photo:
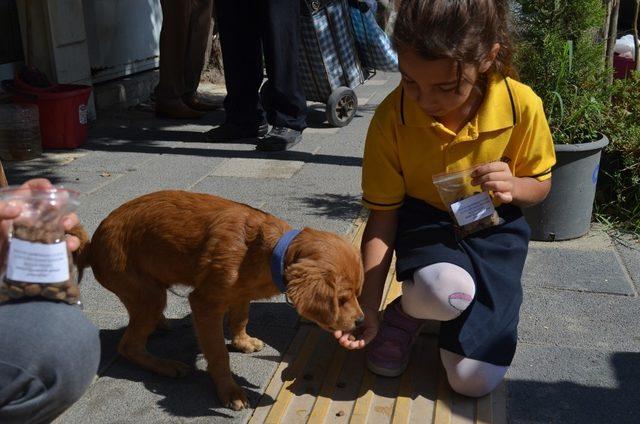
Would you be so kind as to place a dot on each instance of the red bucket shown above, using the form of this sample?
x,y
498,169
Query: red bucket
x,y
63,113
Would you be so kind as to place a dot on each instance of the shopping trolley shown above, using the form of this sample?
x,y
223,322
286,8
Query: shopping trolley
x,y
329,65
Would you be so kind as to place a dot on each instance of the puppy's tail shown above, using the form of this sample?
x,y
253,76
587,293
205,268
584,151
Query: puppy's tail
x,y
82,256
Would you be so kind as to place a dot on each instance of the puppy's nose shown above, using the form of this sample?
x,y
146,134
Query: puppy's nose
x,y
360,320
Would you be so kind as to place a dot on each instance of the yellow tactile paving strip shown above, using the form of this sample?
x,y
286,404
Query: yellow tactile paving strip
x,y
319,382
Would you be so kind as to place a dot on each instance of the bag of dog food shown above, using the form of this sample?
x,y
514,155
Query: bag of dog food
x,y
471,209
37,262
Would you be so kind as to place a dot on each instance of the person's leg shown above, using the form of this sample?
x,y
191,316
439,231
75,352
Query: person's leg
x,y
174,37
471,377
238,26
238,22
281,39
199,27
441,291
49,354
287,106
173,42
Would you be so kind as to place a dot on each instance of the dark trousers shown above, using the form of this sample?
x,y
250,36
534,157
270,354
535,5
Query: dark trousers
x,y
183,41
249,28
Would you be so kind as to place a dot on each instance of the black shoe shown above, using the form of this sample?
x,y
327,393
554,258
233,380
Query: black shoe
x,y
279,138
230,131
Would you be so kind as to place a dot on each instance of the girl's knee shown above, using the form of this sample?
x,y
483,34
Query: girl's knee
x,y
445,290
445,273
470,377
472,386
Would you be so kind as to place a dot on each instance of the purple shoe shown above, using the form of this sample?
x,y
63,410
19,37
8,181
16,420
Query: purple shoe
x,y
388,354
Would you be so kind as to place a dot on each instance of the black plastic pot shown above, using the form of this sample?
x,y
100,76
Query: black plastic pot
x,y
566,212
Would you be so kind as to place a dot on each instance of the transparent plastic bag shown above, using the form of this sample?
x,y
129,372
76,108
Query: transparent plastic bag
x,y
471,209
37,262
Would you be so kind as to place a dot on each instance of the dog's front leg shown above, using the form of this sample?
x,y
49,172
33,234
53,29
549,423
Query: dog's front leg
x,y
238,318
207,319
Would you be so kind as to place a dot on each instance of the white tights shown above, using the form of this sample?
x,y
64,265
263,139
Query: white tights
x,y
441,292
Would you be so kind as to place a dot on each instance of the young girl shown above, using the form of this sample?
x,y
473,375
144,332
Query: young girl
x,y
455,109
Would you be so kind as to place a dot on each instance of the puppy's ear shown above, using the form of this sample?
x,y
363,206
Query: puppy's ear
x,y
313,293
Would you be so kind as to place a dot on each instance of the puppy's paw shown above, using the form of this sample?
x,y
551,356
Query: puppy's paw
x,y
248,344
233,397
171,368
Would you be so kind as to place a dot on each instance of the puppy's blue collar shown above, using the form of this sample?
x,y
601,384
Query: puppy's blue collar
x,y
277,259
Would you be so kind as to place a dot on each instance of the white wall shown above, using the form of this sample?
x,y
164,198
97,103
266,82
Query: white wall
x,y
123,36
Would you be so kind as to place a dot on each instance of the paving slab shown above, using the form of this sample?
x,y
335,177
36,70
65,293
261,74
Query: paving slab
x,y
579,319
590,263
628,247
107,161
257,168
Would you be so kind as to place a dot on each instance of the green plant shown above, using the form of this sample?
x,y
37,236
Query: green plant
x,y
618,199
560,54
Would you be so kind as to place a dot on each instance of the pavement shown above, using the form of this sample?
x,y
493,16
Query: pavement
x,y
578,359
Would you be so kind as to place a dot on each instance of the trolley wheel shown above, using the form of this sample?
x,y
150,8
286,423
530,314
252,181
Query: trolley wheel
x,y
341,106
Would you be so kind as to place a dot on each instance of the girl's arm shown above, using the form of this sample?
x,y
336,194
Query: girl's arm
x,y
377,250
529,191
377,246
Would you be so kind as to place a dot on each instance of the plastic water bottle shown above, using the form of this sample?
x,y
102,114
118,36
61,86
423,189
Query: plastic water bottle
x,y
19,132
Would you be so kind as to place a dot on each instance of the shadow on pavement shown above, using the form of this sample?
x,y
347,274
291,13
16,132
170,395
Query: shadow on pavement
x,y
42,167
140,132
334,206
194,395
567,402
149,147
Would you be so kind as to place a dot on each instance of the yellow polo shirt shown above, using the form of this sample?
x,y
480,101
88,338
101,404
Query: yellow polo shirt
x,y
405,146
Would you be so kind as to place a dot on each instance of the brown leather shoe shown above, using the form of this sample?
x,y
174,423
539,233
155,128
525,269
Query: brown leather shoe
x,y
197,103
176,109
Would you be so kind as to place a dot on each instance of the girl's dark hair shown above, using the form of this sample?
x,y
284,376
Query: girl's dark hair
x,y
462,30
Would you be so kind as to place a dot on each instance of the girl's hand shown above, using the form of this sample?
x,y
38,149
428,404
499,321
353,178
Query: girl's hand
x,y
363,334
8,212
497,178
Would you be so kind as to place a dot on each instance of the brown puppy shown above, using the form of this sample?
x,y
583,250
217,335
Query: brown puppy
x,y
223,250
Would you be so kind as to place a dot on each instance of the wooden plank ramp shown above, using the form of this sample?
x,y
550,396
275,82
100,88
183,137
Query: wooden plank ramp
x,y
320,382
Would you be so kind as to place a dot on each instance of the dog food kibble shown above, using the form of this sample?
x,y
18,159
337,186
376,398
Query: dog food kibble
x,y
38,262
73,292
15,292
32,290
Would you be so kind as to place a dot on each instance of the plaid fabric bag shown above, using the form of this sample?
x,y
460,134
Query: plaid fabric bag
x,y
328,55
374,46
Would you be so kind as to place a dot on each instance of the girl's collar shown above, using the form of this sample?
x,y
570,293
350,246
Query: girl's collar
x,y
497,111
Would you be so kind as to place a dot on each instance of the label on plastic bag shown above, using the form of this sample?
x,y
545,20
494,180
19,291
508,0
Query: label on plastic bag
x,y
37,262
473,208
